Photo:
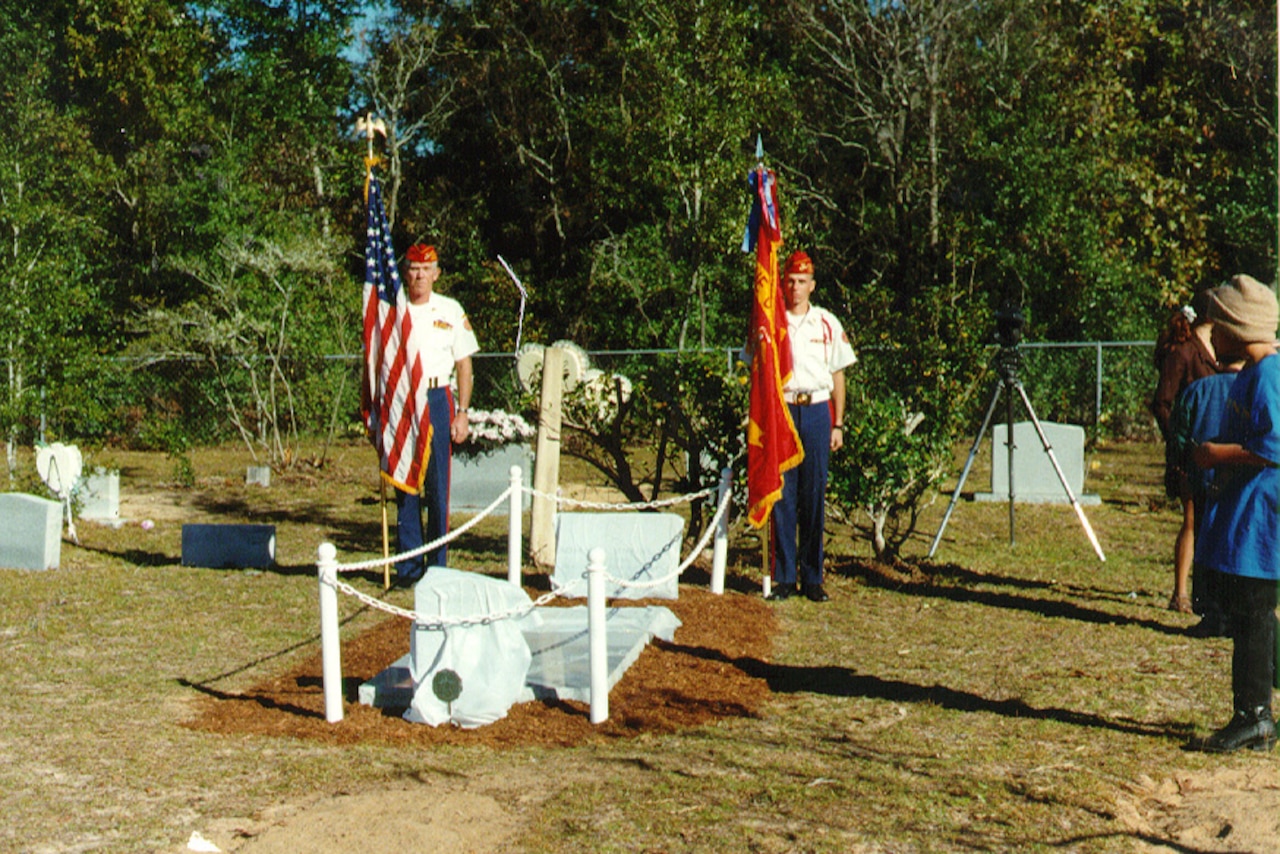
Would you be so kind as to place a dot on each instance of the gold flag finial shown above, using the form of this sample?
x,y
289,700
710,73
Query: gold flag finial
x,y
368,126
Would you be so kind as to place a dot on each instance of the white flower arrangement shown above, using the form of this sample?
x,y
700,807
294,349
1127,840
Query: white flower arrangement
x,y
492,429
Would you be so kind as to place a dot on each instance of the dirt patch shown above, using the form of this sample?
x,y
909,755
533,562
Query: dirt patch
x,y
440,820
1224,809
705,674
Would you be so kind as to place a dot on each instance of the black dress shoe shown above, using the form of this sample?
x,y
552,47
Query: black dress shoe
x,y
1251,728
815,593
408,579
1209,627
782,591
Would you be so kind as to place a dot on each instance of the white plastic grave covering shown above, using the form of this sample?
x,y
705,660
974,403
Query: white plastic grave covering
x,y
638,547
469,675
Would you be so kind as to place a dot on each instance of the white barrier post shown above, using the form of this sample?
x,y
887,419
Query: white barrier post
x,y
513,526
598,638
720,551
330,643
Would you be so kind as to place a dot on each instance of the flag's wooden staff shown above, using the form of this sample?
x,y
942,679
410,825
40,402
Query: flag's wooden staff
x,y
368,126
766,541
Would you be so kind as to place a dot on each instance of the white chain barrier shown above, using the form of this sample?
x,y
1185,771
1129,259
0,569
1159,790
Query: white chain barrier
x,y
328,571
634,505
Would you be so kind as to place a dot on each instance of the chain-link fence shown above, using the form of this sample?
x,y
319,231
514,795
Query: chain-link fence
x,y
175,402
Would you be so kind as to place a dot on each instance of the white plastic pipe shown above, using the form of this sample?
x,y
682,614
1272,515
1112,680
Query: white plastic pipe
x,y
513,526
331,645
720,551
598,637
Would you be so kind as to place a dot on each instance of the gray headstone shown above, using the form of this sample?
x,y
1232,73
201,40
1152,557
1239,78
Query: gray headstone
x,y
1034,480
475,481
229,546
639,547
258,475
101,495
30,532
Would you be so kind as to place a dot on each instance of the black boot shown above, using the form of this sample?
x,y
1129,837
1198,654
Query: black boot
x,y
1251,728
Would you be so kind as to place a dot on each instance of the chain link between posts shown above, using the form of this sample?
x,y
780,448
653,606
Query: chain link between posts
x,y
437,623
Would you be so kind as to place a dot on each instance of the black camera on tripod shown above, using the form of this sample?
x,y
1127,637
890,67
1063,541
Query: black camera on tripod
x,y
1010,325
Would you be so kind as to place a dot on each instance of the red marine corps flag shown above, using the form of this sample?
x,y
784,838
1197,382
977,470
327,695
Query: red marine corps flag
x,y
393,399
773,446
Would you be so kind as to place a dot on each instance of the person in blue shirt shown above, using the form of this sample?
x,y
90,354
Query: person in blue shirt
x,y
1240,536
1197,417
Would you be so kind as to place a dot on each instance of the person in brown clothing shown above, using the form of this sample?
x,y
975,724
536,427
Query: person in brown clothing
x,y
1184,354
1187,357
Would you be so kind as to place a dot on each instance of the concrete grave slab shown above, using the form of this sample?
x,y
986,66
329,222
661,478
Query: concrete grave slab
x,y
30,532
561,646
229,546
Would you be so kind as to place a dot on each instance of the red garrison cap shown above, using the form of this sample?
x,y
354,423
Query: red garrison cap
x,y
798,263
421,253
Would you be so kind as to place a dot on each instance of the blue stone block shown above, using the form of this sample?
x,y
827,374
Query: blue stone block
x,y
229,546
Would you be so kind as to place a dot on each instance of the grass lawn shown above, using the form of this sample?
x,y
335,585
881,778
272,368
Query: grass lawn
x,y
1009,698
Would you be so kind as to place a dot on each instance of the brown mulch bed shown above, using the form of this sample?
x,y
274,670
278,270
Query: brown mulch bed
x,y
702,676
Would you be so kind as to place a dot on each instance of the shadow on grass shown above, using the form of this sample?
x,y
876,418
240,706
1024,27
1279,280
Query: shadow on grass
x,y
833,681
137,557
257,699
311,641
923,580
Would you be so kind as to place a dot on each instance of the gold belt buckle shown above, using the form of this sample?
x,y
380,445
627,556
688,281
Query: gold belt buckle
x,y
803,398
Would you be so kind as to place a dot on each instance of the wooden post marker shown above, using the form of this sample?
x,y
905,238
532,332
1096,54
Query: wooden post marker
x,y
546,465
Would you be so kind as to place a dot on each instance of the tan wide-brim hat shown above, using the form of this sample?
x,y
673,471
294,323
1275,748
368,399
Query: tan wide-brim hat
x,y
1246,308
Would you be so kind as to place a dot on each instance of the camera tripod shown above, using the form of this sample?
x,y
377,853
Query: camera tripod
x,y
1007,362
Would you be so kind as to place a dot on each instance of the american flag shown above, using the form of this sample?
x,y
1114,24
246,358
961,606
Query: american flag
x,y
394,399
773,446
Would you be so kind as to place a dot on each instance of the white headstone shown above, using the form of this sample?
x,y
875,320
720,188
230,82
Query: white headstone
x,y
1034,480
639,547
101,495
30,532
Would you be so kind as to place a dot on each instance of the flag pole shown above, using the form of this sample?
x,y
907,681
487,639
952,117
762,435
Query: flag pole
x,y
773,445
386,532
766,554
369,126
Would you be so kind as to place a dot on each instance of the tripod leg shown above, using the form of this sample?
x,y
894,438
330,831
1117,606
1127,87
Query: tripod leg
x,y
1044,440
968,464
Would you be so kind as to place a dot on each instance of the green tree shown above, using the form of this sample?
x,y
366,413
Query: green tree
x,y
50,181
